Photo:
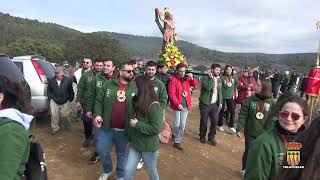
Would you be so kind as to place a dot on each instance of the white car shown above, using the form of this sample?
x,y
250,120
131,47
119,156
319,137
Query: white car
x,y
36,71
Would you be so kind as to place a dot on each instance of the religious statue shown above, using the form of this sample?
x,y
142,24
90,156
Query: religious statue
x,y
168,28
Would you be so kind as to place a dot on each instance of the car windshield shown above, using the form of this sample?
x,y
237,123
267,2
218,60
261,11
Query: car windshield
x,y
47,68
10,70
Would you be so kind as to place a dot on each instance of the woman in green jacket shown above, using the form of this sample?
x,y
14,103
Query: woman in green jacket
x,y
14,122
145,126
253,115
267,152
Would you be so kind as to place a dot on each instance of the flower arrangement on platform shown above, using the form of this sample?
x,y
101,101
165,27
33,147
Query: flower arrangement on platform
x,y
172,56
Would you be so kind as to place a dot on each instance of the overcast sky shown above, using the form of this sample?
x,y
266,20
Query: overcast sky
x,y
268,26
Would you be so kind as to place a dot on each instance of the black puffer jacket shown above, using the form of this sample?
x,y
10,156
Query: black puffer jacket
x,y
60,94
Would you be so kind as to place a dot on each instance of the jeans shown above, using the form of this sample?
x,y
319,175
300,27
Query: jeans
x,y
149,158
105,140
179,123
247,141
231,107
87,124
207,111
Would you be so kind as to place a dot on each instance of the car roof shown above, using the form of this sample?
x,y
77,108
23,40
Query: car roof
x,y
3,55
29,57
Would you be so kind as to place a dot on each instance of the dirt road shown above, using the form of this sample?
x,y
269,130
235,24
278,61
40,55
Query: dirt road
x,y
67,160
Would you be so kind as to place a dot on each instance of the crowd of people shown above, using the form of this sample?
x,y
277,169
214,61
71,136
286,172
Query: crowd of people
x,y
126,107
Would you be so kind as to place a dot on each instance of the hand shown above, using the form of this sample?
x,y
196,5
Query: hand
x,y
220,107
98,121
78,106
133,122
190,75
239,134
180,107
89,114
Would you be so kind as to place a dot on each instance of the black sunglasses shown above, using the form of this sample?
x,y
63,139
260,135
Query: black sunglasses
x,y
128,71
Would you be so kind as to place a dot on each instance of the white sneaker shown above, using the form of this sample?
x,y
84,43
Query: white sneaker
x,y
120,178
104,176
242,172
233,130
140,164
221,129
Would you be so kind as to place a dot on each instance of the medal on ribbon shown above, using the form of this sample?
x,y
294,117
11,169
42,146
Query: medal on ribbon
x,y
121,95
184,94
260,114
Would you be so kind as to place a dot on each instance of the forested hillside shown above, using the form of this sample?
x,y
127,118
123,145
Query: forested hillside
x,y
20,36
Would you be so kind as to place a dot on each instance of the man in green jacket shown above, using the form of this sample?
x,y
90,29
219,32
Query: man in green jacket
x,y
82,100
97,83
210,103
159,87
114,109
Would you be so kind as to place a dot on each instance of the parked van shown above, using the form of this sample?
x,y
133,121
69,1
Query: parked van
x,y
36,71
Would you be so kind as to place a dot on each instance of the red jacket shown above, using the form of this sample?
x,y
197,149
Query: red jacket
x,y
243,88
176,87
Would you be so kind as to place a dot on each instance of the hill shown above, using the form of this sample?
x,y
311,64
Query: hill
x,y
13,29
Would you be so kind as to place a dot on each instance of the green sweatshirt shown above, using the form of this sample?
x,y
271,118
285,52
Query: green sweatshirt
x,y
161,91
145,136
84,86
206,93
228,92
247,116
14,151
105,98
265,156
97,83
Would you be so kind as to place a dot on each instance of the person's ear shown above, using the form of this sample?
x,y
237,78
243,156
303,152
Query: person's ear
x,y
1,97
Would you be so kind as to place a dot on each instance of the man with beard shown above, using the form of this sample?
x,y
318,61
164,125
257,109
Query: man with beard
x,y
82,100
97,83
159,87
163,73
113,110
210,103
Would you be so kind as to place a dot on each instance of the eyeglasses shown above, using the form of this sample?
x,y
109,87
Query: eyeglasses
x,y
285,115
128,71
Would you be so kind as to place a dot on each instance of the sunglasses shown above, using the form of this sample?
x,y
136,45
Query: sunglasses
x,y
128,71
285,115
86,62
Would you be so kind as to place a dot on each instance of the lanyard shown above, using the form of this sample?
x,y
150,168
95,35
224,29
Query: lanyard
x,y
263,108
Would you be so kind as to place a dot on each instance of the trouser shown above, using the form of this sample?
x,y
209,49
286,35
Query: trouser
x,y
149,159
247,142
87,125
57,111
179,123
231,106
105,140
208,111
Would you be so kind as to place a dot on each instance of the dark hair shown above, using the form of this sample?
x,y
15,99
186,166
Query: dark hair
x,y
310,155
151,64
266,88
124,64
161,64
282,100
15,95
225,70
133,61
213,66
145,96
98,60
179,66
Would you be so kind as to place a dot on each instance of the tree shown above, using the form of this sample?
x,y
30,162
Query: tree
x,y
95,46
25,46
